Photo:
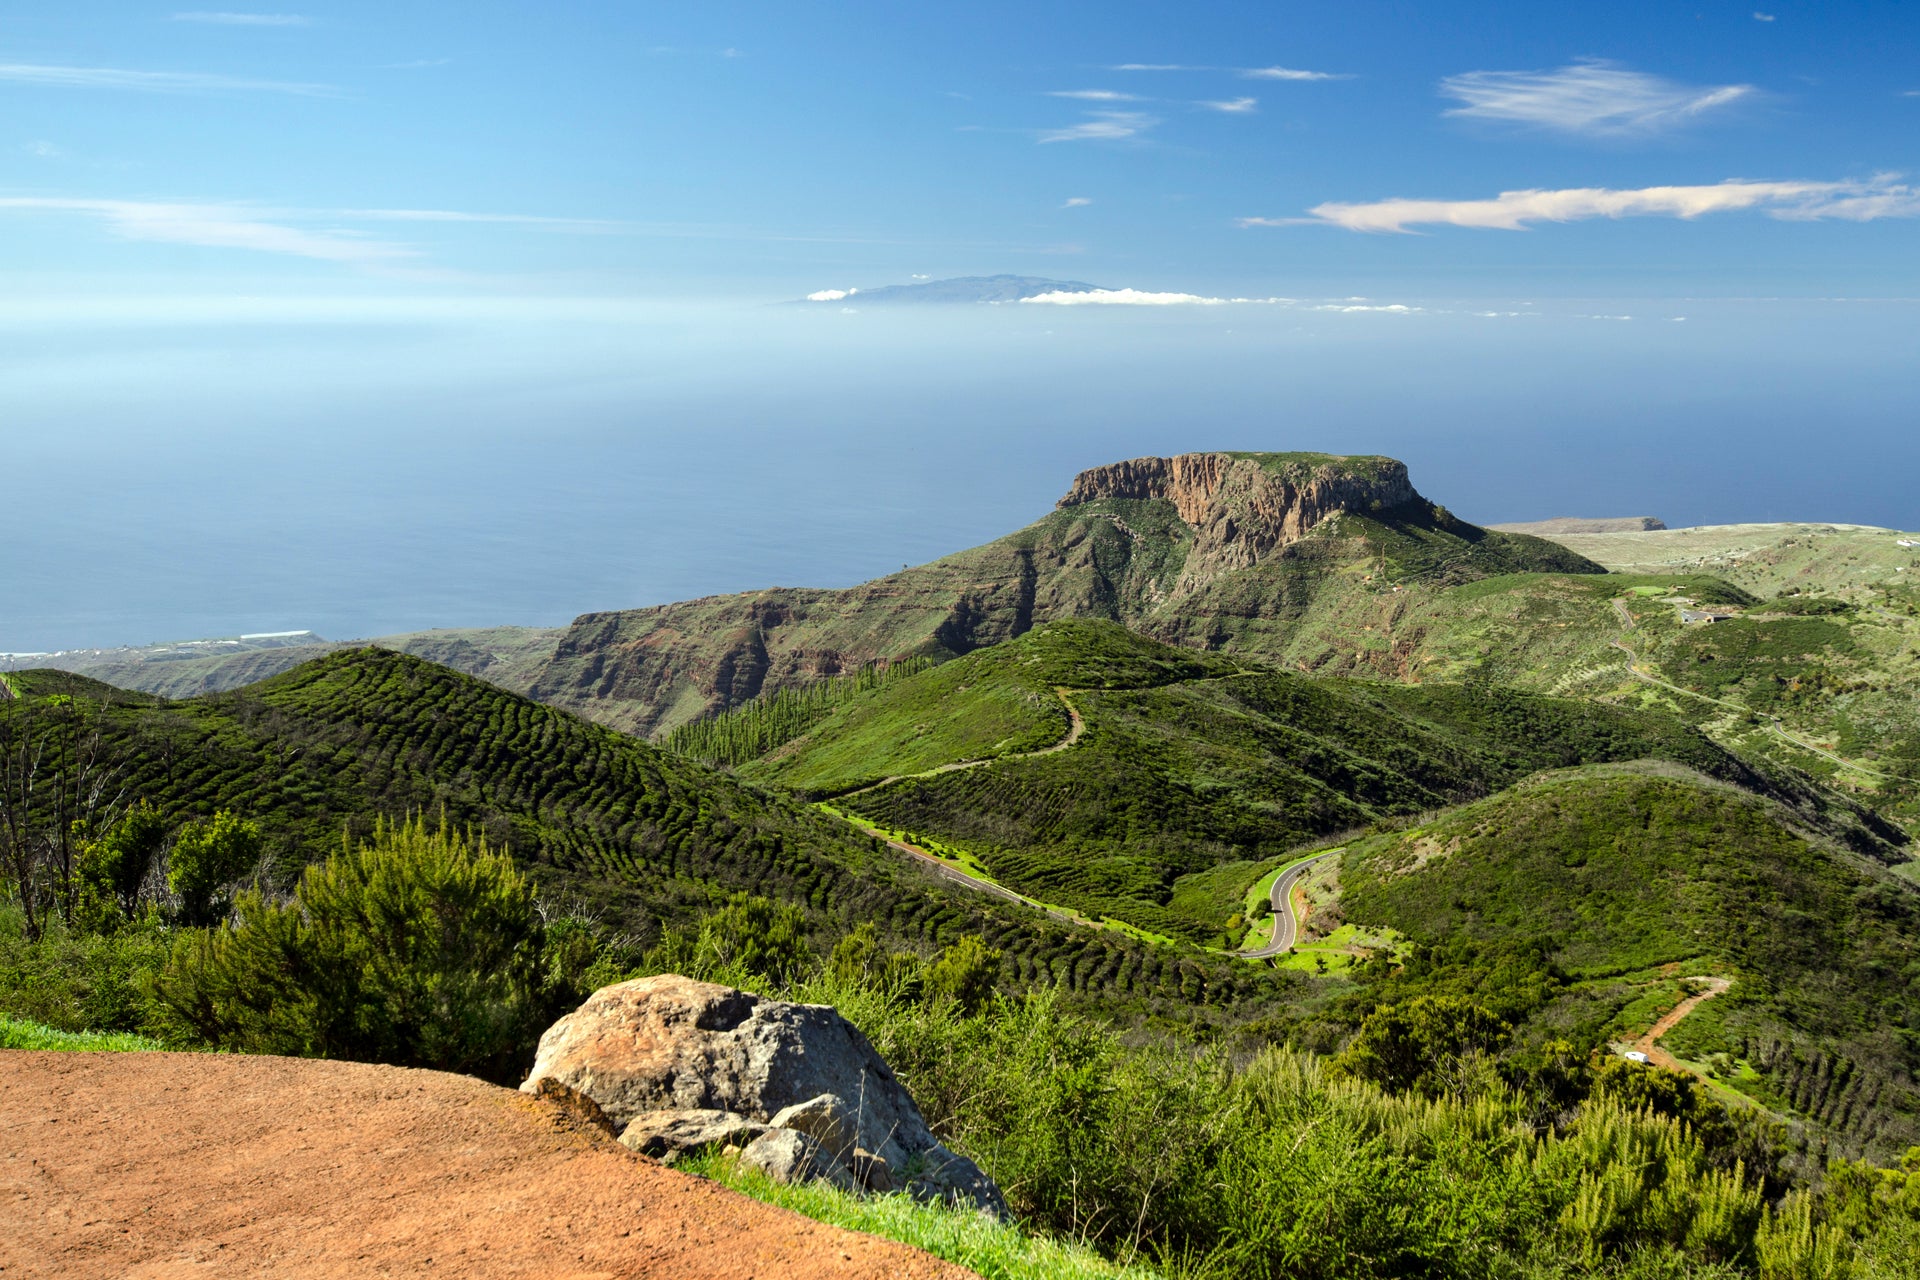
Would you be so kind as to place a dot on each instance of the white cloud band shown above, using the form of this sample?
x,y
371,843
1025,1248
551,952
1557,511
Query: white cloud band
x,y
1879,197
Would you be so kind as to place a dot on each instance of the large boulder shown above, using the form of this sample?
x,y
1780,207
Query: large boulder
x,y
671,1044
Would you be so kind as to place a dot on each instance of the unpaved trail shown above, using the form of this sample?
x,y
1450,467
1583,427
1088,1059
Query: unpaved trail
x,y
163,1165
1075,727
1649,1043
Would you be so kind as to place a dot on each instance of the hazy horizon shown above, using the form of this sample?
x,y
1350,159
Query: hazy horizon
x,y
359,479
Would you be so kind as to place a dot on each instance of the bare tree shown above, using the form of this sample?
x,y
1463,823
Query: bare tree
x,y
21,753
59,788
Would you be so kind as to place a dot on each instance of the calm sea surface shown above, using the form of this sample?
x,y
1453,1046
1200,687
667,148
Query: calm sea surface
x,y
361,470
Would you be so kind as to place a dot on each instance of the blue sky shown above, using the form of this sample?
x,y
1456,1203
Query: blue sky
x,y
367,317
745,150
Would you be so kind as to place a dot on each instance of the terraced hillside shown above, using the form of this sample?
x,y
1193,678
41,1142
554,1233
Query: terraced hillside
x,y
644,837
1217,550
1637,876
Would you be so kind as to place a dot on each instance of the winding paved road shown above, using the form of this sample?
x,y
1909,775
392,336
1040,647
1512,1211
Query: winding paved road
x,y
1285,927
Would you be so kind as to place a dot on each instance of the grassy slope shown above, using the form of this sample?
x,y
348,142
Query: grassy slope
x,y
1635,869
1197,764
647,837
1852,686
995,702
17,1033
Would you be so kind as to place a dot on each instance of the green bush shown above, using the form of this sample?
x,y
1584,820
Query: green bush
x,y
1270,1166
419,948
207,858
965,973
114,868
73,980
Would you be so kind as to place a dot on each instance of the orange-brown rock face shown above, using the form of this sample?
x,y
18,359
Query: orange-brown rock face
x,y
1242,509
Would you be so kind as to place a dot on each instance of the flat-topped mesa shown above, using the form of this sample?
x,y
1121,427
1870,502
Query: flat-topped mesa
x,y
1256,500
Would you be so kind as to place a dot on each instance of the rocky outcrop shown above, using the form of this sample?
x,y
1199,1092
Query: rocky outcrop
x,y
1242,509
683,1065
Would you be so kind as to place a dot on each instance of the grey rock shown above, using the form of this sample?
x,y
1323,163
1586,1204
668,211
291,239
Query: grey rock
x,y
825,1119
872,1172
787,1155
940,1176
670,1133
669,1043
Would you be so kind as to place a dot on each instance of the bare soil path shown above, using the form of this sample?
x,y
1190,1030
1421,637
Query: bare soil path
x,y
1649,1043
160,1165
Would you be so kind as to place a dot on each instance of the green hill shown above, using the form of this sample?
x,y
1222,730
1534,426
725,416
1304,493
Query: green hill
x,y
1634,875
1218,550
1187,761
636,834
507,656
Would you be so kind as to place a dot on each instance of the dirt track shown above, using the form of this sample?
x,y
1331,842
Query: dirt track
x,y
159,1165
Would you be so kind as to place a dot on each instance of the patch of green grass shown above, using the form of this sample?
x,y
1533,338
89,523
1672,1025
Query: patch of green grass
x,y
992,703
996,1250
18,1033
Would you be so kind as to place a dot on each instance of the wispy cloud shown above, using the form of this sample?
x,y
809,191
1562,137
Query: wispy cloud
x,y
1878,197
323,235
149,81
1094,95
1077,202
1104,126
245,19
1762,17
1233,106
1593,98
1289,73
453,215
220,227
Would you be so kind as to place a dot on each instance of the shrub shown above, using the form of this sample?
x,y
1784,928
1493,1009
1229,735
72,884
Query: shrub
x,y
114,868
207,858
965,973
421,948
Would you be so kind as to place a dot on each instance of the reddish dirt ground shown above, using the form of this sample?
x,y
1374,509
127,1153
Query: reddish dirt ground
x,y
161,1165
1649,1043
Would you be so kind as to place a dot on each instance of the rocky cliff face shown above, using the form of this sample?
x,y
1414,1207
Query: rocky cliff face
x,y
1243,509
